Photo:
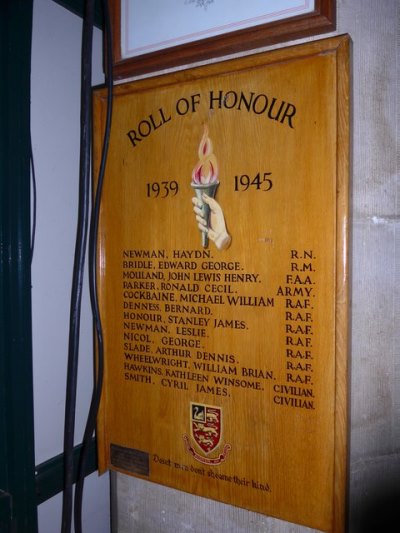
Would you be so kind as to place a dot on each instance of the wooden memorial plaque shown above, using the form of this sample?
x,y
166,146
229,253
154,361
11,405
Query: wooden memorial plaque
x,y
226,349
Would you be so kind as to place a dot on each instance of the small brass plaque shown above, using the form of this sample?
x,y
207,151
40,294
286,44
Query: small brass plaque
x,y
130,460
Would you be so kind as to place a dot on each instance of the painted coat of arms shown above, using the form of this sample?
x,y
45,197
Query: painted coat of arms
x,y
206,426
206,432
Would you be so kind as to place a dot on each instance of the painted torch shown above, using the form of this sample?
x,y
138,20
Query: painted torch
x,y
205,179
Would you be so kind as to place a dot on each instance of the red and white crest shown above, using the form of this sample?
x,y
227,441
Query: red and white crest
x,y
206,425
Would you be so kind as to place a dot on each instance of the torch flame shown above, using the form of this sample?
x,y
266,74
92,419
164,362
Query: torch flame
x,y
206,169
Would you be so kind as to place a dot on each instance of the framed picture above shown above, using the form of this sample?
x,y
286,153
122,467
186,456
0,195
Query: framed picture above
x,y
151,36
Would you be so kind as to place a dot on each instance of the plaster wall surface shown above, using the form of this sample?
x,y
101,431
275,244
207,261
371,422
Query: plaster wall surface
x,y
374,426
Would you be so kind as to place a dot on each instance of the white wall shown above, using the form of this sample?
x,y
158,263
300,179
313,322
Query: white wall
x,y
56,48
374,455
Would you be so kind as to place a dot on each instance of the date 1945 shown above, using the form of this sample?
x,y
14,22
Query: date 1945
x,y
260,182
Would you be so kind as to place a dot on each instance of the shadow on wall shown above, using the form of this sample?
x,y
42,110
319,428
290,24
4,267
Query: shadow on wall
x,y
378,510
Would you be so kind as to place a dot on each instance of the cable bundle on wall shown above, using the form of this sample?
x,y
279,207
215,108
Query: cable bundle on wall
x,y
86,219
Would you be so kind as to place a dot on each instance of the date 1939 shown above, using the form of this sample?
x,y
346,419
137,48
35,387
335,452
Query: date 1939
x,y
162,189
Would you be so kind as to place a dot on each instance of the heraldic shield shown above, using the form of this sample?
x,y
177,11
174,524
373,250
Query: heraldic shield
x,y
206,425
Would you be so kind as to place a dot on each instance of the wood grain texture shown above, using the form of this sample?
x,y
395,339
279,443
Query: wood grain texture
x,y
280,330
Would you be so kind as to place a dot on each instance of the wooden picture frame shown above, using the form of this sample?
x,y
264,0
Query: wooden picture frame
x,y
320,20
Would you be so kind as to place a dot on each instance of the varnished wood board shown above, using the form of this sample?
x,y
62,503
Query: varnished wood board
x,y
226,352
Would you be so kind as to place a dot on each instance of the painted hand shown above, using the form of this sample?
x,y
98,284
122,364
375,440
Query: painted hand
x,y
216,230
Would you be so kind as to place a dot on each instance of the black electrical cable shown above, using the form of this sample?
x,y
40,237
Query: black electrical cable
x,y
93,240
79,263
34,200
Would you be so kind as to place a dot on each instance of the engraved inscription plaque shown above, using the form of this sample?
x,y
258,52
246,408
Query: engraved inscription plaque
x,y
222,270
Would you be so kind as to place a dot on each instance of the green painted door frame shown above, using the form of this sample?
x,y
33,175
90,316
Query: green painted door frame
x,y
17,464
78,7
